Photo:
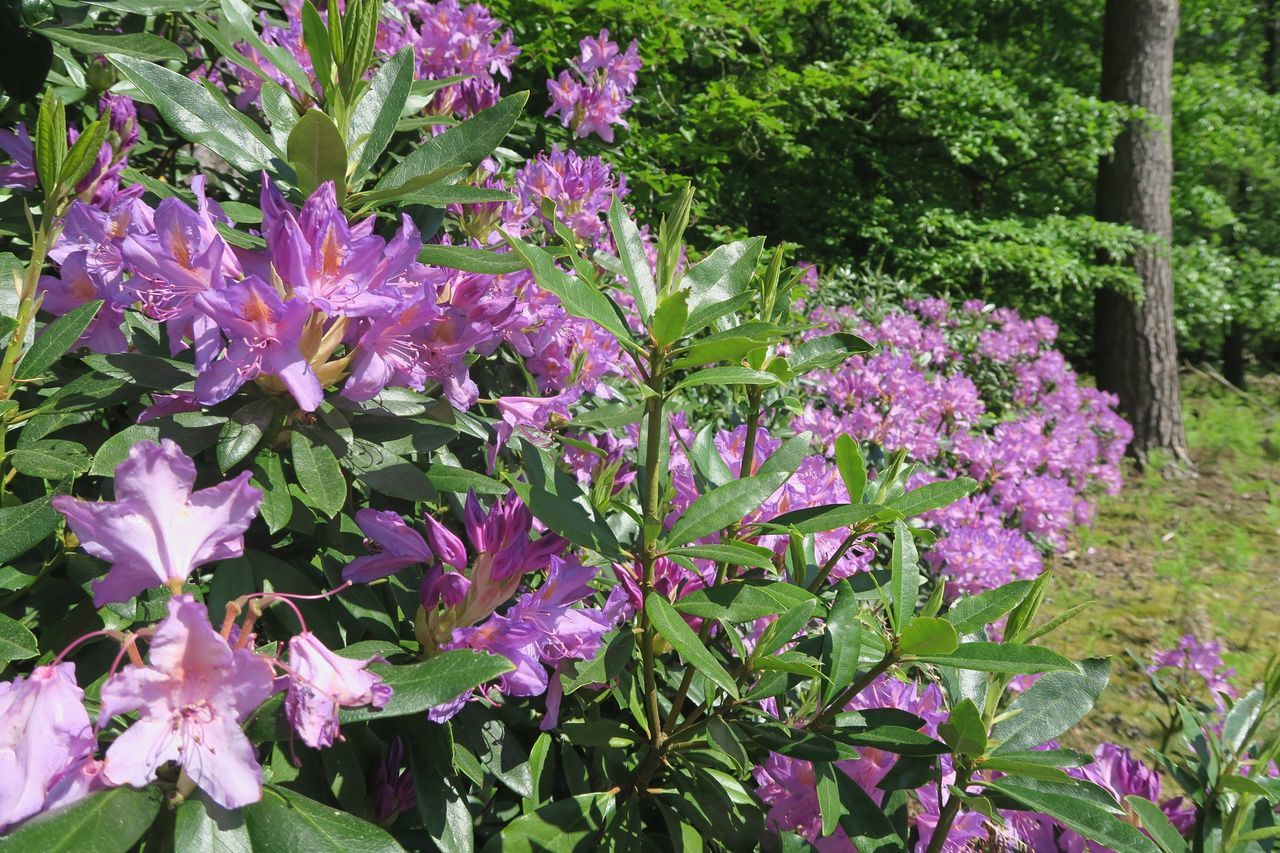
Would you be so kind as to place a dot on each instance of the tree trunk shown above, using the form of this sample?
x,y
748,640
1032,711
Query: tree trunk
x,y
1136,353
1233,354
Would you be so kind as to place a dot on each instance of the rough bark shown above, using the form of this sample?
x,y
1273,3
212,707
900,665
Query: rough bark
x,y
1136,353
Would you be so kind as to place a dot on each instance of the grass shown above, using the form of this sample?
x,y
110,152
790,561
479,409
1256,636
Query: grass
x,y
1172,556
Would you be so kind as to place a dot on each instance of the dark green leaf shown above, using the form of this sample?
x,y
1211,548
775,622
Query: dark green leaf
x,y
441,679
845,632
635,263
928,636
284,821
147,371
826,352
57,337
852,467
816,519
110,821
716,280
51,459
23,526
561,826
728,375
16,642
569,519
730,345
1051,706
1157,825
318,154
743,601
733,553
904,575
471,260
933,496
450,478
973,612
243,430
202,826
672,628
1002,657
374,119
139,45
468,142
964,730
318,473
1083,816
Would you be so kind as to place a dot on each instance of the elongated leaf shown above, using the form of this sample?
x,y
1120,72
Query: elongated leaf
x,y
139,45
243,430
318,154
731,344
561,826
933,496
451,478
569,519
51,459
441,679
729,375
1002,657
1051,706
816,519
471,260
964,730
973,612
784,629
199,115
16,642
720,277
826,352
743,601
23,526
1080,815
635,263
468,142
110,821
928,636
733,553
904,575
1157,825
845,632
577,297
284,821
318,473
852,467
202,826
57,337
672,628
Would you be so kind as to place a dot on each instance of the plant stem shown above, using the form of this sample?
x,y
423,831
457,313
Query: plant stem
x,y
949,812
649,537
833,707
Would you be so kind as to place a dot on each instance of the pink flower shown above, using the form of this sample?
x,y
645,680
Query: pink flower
x,y
321,683
191,701
44,729
158,530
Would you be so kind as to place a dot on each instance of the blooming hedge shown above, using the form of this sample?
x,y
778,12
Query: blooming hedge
x,y
368,485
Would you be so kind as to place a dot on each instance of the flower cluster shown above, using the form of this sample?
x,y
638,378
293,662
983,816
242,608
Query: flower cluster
x,y
199,685
1195,665
591,96
461,595
981,393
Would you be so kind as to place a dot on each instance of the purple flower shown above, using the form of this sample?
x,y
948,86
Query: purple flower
x,y
158,530
393,350
391,785
531,416
76,285
191,700
44,730
21,174
264,335
320,683
593,97
1201,661
398,546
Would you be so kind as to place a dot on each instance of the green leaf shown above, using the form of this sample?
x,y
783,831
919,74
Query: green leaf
x,y
284,821
468,142
845,632
933,496
904,575
83,154
672,628
202,826
139,45
728,375
318,154
783,629
731,344
318,473
577,297
1241,719
1002,657
1157,824
569,519
373,122
111,821
441,679
561,826
670,317
1028,769
243,430
277,503
1080,815
733,553
817,519
199,115
928,636
743,601
116,449
16,642
1051,706
386,472
23,526
715,281
51,459
727,504
826,352
471,260
852,467
451,478
635,263
147,371
972,613
50,141
964,730
57,337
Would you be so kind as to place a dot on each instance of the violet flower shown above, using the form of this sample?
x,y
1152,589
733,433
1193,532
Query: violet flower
x,y
21,173
320,683
44,729
158,530
191,701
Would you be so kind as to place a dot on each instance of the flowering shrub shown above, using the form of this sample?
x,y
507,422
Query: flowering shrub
x,y
382,513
